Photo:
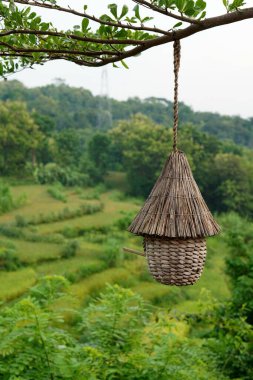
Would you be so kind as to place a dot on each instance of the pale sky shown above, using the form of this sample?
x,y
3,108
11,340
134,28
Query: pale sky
x,y
216,71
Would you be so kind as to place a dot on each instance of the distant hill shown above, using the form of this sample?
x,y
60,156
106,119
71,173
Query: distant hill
x,y
63,107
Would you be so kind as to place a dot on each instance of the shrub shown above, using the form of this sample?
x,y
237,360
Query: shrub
x,y
91,233
70,249
124,222
65,214
8,259
112,253
7,203
92,194
51,173
8,244
87,270
6,199
118,196
11,231
21,221
116,337
57,193
51,238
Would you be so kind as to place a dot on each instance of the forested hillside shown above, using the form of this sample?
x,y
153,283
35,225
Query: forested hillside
x,y
62,107
57,133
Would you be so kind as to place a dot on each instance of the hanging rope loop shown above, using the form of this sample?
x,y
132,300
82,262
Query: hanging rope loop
x,y
177,56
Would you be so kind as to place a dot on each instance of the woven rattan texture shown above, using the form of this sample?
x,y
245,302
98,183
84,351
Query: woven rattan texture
x,y
175,207
175,262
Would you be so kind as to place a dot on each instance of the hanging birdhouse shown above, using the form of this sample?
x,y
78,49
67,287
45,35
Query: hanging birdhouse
x,y
174,222
175,219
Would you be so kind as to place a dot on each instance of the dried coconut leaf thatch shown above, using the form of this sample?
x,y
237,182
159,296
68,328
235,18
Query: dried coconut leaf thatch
x,y
175,207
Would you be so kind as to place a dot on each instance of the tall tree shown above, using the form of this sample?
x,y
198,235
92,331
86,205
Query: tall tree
x,y
70,144
143,145
19,137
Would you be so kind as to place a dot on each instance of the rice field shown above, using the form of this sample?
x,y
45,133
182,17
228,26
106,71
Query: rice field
x,y
40,249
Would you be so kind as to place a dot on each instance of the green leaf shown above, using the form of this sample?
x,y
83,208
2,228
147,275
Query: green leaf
x,y
203,15
123,12
27,11
145,19
32,15
32,38
137,12
181,5
177,25
85,24
201,5
124,64
44,26
114,10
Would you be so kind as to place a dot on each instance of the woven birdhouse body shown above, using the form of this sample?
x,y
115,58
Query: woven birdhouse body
x,y
174,222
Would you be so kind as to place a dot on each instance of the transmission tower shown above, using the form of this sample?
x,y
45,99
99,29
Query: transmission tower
x,y
104,119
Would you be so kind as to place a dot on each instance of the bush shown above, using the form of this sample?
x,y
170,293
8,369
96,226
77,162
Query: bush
x,y
85,271
92,194
124,222
7,203
112,253
21,221
65,214
11,231
51,238
51,173
8,259
56,193
70,249
93,234
116,337
17,233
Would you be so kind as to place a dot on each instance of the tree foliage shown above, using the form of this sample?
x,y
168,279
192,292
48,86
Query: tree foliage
x,y
26,39
239,234
19,137
143,146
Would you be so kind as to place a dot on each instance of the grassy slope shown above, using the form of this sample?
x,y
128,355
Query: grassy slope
x,y
133,272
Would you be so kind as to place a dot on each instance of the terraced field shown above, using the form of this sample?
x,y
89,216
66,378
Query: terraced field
x,y
43,231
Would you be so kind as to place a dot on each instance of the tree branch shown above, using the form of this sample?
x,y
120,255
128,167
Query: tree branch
x,y
58,51
74,37
209,23
87,57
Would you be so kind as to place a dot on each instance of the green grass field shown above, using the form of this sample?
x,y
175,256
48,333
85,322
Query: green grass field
x,y
42,255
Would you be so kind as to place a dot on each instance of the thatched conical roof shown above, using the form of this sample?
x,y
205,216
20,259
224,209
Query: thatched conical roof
x,y
175,207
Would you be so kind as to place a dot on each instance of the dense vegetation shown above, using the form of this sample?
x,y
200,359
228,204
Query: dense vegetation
x,y
54,134
69,189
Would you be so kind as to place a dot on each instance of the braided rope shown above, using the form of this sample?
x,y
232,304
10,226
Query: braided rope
x,y
177,56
